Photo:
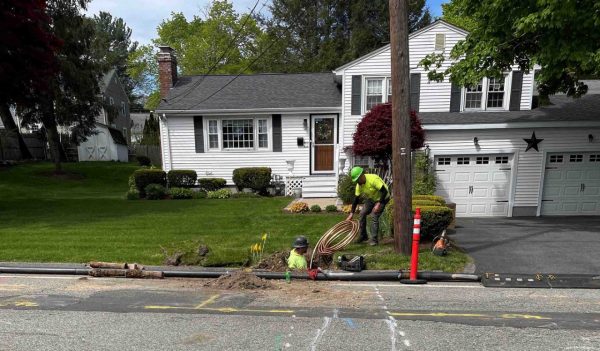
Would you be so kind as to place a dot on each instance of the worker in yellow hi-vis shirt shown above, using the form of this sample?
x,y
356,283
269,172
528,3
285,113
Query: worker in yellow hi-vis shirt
x,y
376,195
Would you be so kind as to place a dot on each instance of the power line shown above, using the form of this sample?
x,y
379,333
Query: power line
x,y
232,42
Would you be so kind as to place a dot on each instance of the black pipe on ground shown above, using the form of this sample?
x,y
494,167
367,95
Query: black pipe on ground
x,y
325,275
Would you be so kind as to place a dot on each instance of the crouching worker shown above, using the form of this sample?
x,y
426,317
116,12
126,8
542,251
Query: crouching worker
x,y
296,260
376,195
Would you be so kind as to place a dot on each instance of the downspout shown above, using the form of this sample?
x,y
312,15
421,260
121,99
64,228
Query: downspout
x,y
164,119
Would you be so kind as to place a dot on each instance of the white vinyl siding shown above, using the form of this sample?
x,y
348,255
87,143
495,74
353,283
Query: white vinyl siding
x,y
222,163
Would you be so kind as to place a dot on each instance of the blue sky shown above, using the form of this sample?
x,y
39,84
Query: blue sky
x,y
143,16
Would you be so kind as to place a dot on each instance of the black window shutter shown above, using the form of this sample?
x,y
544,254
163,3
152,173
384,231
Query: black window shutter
x,y
515,91
355,106
415,90
276,123
199,134
455,95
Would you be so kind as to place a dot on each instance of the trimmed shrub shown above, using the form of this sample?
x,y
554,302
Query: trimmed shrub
x,y
299,207
315,208
181,193
200,194
211,184
244,195
145,177
331,208
435,198
143,160
182,178
346,189
417,203
434,219
155,192
132,194
218,194
255,178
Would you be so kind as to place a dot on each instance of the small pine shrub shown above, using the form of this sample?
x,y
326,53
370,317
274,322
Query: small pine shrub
x,y
181,193
346,189
331,208
219,194
155,192
315,208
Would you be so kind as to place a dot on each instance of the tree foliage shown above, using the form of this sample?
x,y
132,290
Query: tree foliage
x,y
151,131
322,35
561,36
373,136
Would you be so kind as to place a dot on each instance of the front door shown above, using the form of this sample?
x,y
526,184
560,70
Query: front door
x,y
324,130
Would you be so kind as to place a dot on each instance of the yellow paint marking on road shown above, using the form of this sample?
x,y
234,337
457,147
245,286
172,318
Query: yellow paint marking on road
x,y
436,314
208,301
12,287
216,309
523,316
19,303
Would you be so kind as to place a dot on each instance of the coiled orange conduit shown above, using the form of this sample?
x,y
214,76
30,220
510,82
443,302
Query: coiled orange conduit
x,y
336,238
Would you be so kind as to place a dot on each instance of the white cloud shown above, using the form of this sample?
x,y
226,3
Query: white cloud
x,y
144,16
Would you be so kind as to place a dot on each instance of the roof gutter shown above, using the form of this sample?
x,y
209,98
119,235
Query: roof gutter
x,y
252,110
513,125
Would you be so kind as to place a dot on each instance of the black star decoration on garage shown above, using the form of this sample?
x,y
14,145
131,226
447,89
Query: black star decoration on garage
x,y
533,143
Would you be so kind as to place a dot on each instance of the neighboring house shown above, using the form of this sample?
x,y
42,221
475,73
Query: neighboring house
x,y
113,126
487,159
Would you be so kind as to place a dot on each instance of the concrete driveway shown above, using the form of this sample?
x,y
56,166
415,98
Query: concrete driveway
x,y
563,245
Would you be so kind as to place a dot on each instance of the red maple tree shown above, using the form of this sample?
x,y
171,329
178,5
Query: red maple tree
x,y
373,136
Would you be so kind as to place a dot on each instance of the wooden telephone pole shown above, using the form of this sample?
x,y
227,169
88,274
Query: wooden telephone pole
x,y
401,160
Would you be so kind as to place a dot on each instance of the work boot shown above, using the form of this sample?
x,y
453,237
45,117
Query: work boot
x,y
362,239
373,243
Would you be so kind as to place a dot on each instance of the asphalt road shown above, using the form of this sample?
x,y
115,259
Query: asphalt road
x,y
70,313
557,245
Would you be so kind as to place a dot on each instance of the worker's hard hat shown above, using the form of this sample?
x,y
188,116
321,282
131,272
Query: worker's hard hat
x,y
355,173
300,242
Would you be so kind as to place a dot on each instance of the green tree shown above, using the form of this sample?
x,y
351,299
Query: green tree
x,y
221,41
73,98
561,36
112,46
151,131
322,35
454,12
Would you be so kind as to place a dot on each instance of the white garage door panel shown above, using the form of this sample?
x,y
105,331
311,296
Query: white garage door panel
x,y
478,184
572,184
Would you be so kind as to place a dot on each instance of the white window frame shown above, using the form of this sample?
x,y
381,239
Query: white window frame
x,y
485,95
435,42
385,82
220,120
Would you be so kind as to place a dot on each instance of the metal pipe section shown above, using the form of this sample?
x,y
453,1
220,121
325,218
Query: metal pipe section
x,y
324,275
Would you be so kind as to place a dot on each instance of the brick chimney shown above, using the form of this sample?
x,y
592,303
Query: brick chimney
x,y
167,70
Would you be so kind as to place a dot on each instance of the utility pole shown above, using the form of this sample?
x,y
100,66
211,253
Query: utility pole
x,y
401,187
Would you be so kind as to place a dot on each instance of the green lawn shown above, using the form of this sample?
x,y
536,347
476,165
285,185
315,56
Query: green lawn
x,y
84,217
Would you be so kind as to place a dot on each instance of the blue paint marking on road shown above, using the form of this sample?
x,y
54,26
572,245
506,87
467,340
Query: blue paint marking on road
x,y
350,322
278,341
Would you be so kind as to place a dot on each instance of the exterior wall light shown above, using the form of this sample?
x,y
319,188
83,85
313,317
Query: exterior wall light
x,y
590,138
476,141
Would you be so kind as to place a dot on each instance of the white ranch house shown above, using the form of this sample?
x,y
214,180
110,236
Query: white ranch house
x,y
301,126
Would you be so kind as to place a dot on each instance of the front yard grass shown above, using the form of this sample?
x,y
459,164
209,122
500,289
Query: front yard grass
x,y
83,216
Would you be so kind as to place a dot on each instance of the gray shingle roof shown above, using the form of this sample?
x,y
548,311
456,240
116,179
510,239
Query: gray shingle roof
x,y
563,108
254,91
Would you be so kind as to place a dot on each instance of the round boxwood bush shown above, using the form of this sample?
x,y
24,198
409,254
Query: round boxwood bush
x,y
155,192
346,189
255,178
315,208
144,177
331,208
182,178
181,193
211,184
434,219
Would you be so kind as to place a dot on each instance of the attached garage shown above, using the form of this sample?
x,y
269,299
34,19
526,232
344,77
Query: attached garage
x,y
571,184
478,184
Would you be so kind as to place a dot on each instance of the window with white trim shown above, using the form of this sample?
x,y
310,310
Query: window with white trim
x,y
488,94
238,134
463,160
213,134
374,92
263,134
594,158
443,161
389,89
556,158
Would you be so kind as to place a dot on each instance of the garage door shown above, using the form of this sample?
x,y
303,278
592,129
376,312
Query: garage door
x,y
478,184
572,184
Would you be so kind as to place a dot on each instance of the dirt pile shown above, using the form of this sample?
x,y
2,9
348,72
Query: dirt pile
x,y
240,280
276,262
